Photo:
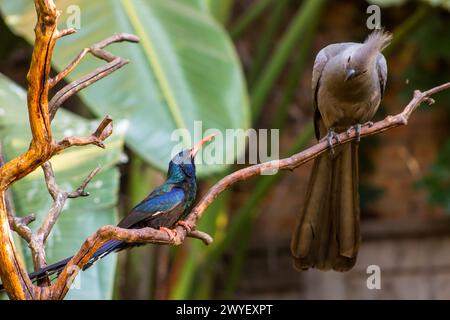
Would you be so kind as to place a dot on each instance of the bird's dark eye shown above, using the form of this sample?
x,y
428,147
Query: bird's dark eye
x,y
348,60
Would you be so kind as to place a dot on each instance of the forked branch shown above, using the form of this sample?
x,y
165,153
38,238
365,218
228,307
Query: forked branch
x,y
97,50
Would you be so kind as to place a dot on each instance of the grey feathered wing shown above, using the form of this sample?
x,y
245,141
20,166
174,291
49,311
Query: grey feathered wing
x,y
327,232
322,58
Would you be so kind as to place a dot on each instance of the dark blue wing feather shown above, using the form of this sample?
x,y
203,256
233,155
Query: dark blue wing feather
x,y
158,201
162,202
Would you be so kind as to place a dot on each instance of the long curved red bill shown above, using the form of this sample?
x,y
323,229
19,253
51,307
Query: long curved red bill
x,y
199,144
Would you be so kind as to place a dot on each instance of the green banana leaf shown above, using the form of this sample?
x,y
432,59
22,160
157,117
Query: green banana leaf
x,y
219,9
80,217
184,69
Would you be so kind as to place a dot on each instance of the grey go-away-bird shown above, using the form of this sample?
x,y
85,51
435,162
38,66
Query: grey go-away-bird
x,y
348,83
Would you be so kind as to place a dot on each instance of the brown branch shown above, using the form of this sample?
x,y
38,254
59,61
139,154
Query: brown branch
x,y
40,111
68,69
104,130
20,225
96,50
300,158
37,240
150,235
12,270
81,191
17,224
13,274
145,235
114,63
59,197
200,235
304,156
60,34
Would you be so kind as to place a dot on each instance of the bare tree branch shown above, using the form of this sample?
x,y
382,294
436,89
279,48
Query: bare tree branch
x,y
41,112
60,34
37,240
97,50
59,197
20,225
17,224
197,234
104,130
300,158
81,191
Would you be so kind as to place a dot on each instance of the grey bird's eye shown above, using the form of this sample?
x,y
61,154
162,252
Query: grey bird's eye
x,y
348,60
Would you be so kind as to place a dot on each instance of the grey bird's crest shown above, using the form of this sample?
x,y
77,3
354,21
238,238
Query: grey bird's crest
x,y
378,40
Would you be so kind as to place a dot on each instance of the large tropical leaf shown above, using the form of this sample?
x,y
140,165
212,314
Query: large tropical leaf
x,y
80,217
185,68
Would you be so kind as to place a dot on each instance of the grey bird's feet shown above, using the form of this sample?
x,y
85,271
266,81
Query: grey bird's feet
x,y
357,127
331,135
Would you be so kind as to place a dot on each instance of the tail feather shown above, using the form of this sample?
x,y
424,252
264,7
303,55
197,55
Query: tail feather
x,y
327,233
56,268
105,249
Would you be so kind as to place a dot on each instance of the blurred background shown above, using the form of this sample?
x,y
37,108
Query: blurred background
x,y
238,64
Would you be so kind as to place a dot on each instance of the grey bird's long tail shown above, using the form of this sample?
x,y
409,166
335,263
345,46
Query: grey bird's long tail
x,y
327,233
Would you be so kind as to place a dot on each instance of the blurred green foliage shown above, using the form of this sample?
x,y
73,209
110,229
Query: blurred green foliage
x,y
431,57
426,35
437,182
431,67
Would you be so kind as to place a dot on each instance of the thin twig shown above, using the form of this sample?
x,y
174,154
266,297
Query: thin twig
x,y
103,131
60,34
114,63
37,240
81,191
59,197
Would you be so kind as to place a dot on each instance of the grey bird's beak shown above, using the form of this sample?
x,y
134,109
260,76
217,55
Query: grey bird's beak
x,y
349,73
